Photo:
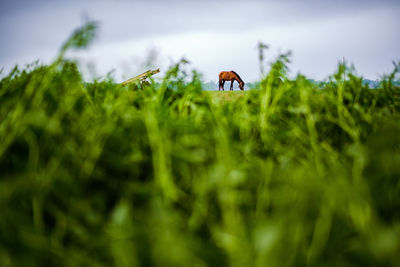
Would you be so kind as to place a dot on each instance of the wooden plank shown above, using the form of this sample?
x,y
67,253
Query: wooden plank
x,y
141,77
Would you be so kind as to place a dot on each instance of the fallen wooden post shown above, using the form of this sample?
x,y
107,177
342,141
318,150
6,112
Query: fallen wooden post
x,y
141,78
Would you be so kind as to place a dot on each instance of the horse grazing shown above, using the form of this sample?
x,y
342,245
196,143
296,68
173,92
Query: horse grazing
x,y
229,76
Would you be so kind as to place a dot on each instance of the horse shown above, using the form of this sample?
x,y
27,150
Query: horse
x,y
229,76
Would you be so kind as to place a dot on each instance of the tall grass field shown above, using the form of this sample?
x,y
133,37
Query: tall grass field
x,y
289,173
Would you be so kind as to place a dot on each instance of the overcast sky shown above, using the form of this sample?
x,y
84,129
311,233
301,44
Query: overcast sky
x,y
213,35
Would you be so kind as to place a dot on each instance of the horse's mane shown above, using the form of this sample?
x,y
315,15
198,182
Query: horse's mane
x,y
238,76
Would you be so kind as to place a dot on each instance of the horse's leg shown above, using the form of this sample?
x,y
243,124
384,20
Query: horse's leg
x,y
223,83
232,85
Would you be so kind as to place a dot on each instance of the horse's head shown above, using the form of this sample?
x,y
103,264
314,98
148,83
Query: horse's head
x,y
241,86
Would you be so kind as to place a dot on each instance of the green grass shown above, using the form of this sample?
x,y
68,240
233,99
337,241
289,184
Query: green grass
x,y
286,174
227,95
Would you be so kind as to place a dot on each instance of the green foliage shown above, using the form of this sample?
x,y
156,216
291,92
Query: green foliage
x,y
166,174
80,38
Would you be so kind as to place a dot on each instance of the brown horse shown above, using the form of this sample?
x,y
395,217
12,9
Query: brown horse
x,y
229,76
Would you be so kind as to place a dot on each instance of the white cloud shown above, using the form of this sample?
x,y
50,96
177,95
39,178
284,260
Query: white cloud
x,y
211,35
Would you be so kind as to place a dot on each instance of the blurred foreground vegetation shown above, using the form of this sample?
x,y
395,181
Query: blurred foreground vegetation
x,y
287,174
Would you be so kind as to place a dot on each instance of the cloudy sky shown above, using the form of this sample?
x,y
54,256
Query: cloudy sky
x,y
214,35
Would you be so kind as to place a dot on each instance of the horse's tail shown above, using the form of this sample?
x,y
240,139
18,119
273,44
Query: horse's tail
x,y
240,79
